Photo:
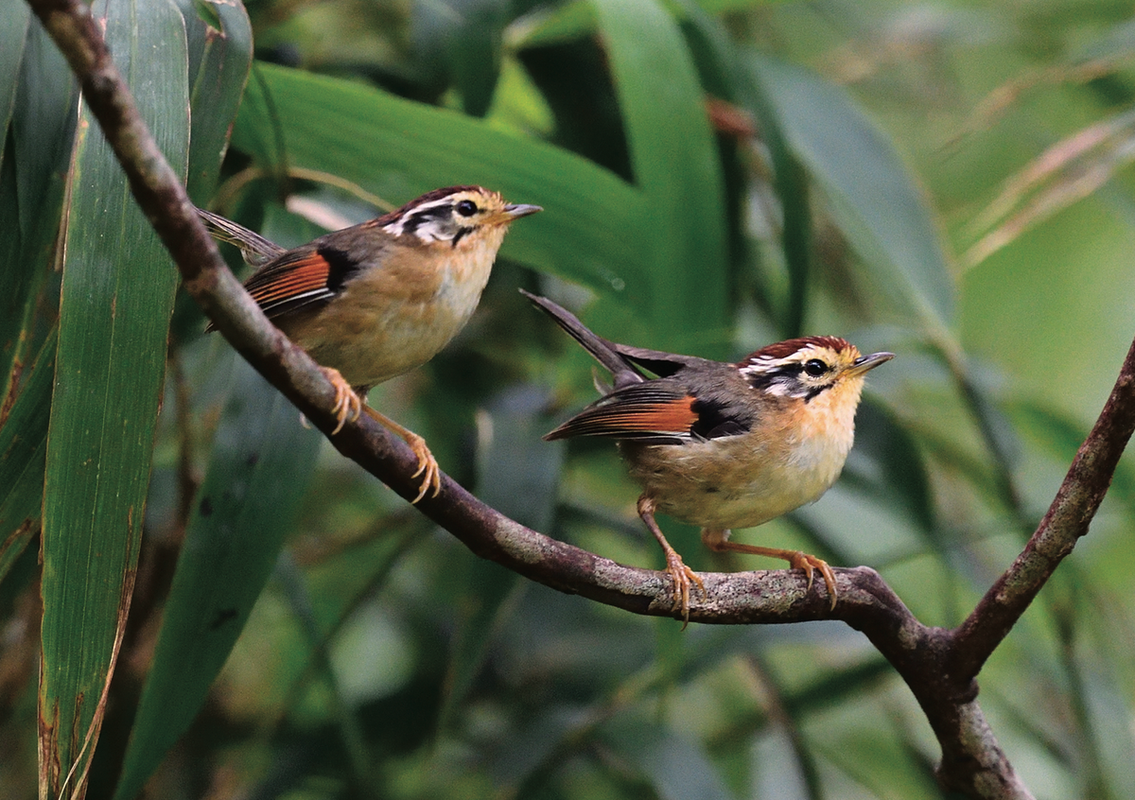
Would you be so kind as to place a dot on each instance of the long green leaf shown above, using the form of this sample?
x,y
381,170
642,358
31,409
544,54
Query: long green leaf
x,y
220,56
13,34
40,139
261,459
721,63
117,296
23,438
879,208
40,136
518,475
676,167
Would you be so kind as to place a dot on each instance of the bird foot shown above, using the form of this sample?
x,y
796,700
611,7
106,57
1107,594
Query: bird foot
x,y
427,464
347,406
809,564
682,576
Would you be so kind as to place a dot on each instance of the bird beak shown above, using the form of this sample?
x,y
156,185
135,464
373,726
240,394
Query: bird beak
x,y
866,363
518,210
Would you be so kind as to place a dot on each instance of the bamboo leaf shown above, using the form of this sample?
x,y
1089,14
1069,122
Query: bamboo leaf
x,y
40,136
117,296
720,62
878,207
220,56
518,475
40,132
23,439
676,167
261,461
13,34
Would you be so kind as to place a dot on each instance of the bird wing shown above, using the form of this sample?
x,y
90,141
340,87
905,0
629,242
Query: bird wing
x,y
286,279
299,278
654,412
660,363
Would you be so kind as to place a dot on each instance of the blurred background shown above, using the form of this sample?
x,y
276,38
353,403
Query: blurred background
x,y
948,181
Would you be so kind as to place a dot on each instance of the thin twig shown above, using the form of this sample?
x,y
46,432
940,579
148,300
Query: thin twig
x,y
1065,522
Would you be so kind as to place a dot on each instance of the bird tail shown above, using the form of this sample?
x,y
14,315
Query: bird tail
x,y
256,250
606,353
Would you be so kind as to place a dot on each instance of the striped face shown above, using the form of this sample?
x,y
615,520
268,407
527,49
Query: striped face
x,y
803,368
452,214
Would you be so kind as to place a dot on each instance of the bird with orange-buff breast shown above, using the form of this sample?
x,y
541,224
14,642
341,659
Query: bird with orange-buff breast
x,y
722,445
378,299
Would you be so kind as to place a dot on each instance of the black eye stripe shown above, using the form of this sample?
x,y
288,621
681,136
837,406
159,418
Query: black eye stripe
x,y
415,219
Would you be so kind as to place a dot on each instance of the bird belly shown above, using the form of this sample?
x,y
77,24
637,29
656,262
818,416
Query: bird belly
x,y
380,327
731,483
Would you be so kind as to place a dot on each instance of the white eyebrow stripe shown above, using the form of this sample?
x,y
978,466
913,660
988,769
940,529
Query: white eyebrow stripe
x,y
397,227
769,364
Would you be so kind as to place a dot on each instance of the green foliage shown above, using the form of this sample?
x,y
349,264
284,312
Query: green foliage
x,y
258,470
109,367
856,152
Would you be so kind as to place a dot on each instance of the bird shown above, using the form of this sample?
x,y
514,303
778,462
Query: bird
x,y
725,445
375,300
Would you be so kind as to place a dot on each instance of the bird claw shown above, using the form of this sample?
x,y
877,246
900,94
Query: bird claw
x,y
347,406
682,576
427,464
809,564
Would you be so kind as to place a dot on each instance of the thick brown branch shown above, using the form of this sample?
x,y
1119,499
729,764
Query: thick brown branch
x,y
1065,522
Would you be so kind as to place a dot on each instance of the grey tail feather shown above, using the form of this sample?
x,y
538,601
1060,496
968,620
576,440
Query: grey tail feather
x,y
256,250
601,350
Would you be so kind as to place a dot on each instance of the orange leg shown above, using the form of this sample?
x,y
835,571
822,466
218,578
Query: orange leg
x,y
718,542
426,462
347,408
679,572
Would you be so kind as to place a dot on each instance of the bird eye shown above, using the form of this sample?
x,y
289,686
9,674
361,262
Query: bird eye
x,y
466,208
815,368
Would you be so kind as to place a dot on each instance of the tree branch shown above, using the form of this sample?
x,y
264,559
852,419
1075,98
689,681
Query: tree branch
x,y
938,665
1066,520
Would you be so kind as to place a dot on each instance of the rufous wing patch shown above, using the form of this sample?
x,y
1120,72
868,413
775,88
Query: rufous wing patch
x,y
291,283
629,419
676,416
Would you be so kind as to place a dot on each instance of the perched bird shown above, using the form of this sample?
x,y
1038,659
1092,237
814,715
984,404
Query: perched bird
x,y
378,299
721,445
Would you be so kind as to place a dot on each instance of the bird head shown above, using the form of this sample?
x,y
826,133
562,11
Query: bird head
x,y
456,216
807,368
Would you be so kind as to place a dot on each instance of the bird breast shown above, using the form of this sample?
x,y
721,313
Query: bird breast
x,y
397,315
787,460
